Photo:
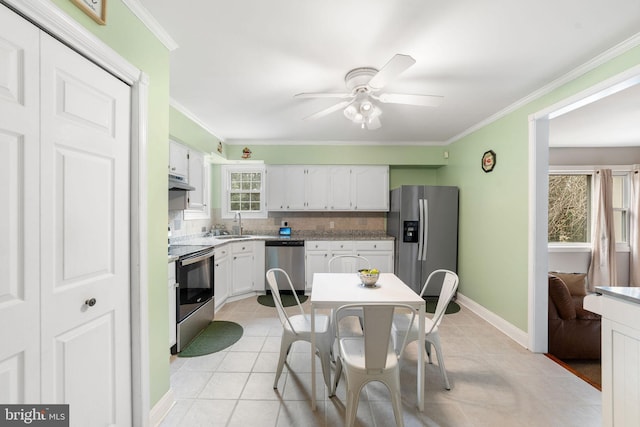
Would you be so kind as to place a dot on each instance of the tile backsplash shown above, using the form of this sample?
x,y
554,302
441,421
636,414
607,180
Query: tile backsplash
x,y
300,222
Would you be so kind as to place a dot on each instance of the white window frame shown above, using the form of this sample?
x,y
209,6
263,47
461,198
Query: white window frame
x,y
616,170
225,192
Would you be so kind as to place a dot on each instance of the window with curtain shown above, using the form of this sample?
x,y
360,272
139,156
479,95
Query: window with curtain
x,y
571,202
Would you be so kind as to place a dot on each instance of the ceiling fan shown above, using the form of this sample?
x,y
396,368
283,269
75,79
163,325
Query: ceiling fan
x,y
361,102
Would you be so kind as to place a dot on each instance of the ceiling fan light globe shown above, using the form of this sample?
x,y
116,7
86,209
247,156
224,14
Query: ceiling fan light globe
x,y
366,106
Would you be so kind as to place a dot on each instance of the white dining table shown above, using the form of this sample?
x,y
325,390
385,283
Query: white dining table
x,y
332,290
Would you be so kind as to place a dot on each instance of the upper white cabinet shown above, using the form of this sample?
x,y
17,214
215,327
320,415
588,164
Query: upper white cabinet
x,y
286,188
369,188
316,184
197,197
178,159
340,188
190,164
321,188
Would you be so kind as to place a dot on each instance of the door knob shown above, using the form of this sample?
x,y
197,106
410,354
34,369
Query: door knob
x,y
90,302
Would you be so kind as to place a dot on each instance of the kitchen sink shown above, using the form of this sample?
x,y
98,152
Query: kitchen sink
x,y
232,236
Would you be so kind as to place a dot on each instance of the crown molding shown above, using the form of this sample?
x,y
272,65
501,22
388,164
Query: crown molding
x,y
184,110
151,23
332,142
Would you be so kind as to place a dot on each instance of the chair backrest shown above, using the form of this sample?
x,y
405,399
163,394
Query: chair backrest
x,y
448,290
377,331
272,281
347,263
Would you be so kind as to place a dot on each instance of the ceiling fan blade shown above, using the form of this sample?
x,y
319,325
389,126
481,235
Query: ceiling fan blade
x,y
391,70
401,98
374,123
329,110
323,95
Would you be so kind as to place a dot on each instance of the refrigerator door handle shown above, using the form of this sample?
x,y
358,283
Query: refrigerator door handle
x,y
420,225
420,228
425,228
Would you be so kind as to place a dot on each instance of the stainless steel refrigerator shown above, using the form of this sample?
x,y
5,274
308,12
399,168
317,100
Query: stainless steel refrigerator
x,y
424,221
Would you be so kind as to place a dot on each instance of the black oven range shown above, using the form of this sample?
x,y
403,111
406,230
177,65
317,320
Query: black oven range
x,y
195,302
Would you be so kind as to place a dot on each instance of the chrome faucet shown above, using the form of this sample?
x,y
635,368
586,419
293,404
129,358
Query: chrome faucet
x,y
238,218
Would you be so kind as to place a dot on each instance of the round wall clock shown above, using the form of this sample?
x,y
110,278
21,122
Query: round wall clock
x,y
488,161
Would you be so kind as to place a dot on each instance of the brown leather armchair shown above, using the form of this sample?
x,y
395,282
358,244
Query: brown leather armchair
x,y
574,333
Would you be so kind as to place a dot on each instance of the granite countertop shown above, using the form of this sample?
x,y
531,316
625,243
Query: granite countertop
x,y
626,293
187,244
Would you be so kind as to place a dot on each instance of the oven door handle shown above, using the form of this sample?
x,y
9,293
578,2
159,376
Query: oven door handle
x,y
189,261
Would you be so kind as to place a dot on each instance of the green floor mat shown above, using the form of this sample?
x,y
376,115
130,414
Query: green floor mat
x,y
453,306
287,300
219,335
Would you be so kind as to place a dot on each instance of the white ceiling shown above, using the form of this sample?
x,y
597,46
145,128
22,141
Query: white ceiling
x,y
612,121
239,63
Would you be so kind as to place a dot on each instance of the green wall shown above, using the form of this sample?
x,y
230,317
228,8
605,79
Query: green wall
x,y
186,131
493,237
128,37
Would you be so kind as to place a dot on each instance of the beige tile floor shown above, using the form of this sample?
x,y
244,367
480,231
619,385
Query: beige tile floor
x,y
495,382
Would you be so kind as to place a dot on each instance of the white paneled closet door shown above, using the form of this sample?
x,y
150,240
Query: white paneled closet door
x,y
20,212
65,142
85,135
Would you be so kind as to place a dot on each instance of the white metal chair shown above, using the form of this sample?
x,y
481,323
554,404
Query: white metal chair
x,y
403,325
349,264
298,328
370,357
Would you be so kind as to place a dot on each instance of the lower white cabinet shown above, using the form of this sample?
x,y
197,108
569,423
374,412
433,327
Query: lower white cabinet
x,y
247,267
241,267
171,287
620,310
379,253
319,252
221,275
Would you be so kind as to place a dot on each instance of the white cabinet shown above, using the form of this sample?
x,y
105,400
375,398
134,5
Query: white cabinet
x,y
178,159
316,254
242,267
370,188
171,288
221,275
285,188
620,310
196,198
378,252
339,188
317,188
321,188
319,252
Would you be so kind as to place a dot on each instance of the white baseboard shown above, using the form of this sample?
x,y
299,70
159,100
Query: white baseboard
x,y
162,408
516,334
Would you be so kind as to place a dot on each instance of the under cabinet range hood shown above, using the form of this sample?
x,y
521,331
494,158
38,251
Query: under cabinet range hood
x,y
177,183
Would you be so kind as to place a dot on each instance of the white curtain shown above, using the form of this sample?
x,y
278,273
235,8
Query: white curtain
x,y
602,270
634,235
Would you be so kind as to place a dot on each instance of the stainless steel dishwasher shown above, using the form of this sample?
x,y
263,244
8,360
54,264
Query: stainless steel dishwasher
x,y
289,256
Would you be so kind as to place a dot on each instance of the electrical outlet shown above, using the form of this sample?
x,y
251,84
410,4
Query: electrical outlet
x,y
332,224
446,154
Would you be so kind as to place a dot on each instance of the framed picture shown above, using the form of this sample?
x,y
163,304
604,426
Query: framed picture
x,y
96,9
